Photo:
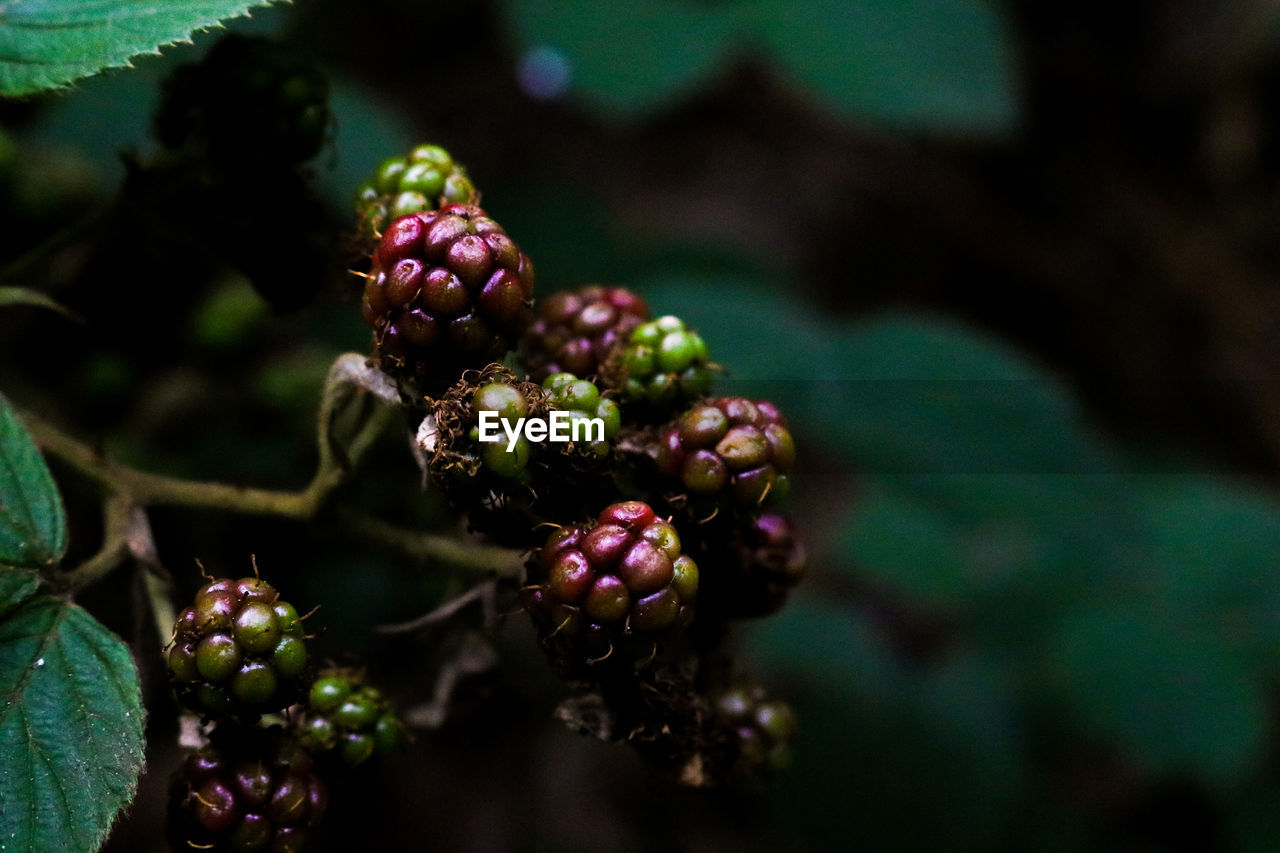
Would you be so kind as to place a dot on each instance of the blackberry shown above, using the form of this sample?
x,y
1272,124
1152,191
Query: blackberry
x,y
349,719
582,400
578,332
238,650
463,464
252,101
622,579
764,726
448,290
729,448
662,367
258,792
747,571
427,179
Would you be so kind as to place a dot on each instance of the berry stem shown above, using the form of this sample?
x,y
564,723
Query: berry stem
x,y
352,403
431,548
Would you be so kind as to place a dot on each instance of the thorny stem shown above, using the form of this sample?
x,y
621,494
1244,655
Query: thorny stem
x,y
431,547
128,491
146,489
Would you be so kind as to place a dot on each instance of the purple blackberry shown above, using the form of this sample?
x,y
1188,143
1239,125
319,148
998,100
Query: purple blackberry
x,y
577,332
448,290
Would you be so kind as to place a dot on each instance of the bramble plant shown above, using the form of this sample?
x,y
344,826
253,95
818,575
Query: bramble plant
x,y
892,332
588,505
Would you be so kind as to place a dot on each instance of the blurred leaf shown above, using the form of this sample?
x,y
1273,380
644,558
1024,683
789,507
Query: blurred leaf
x,y
49,43
24,296
230,315
939,65
627,56
1211,560
928,759
1177,699
71,727
33,529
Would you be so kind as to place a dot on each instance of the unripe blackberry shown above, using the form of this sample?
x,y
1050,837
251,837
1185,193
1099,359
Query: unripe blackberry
x,y
251,101
348,719
448,291
765,727
730,451
238,650
465,465
582,399
662,367
257,792
623,578
578,332
427,179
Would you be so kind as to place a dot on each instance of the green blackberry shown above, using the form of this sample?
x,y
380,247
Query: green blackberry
x,y
728,452
448,291
465,462
427,179
238,650
602,587
254,792
582,400
349,719
662,367
577,332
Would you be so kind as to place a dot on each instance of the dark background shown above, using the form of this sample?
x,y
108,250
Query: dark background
x,y
1011,271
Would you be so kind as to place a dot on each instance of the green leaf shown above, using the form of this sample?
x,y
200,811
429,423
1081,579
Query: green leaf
x,y
33,528
71,727
626,56
1177,699
16,586
939,65
25,296
46,44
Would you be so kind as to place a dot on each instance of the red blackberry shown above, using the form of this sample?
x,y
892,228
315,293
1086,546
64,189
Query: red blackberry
x,y
624,577
256,793
448,290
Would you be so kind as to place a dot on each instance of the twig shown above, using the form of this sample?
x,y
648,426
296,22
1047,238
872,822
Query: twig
x,y
483,592
431,547
146,489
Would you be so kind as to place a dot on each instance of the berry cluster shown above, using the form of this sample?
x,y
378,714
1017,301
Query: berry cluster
x,y
448,290
764,726
581,399
348,718
251,792
577,332
731,450
239,648
621,578
665,525
240,652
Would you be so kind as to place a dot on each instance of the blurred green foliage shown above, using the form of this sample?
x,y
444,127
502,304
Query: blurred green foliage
x,y
940,65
